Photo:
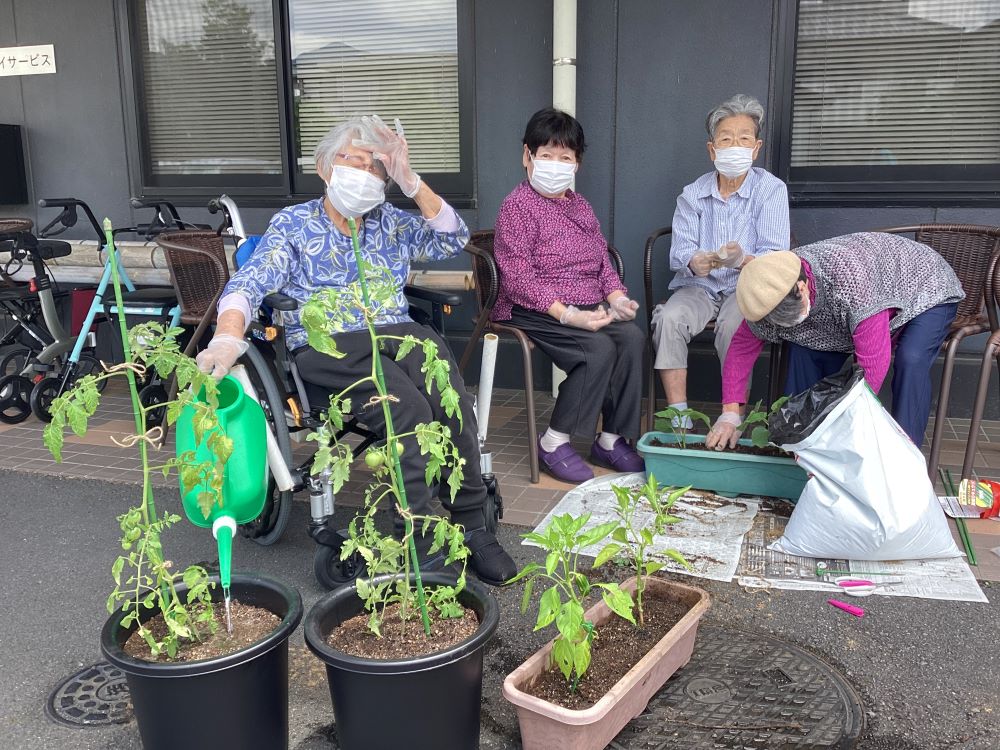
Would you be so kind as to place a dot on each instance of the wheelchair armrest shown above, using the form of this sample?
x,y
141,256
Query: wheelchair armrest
x,y
434,296
279,301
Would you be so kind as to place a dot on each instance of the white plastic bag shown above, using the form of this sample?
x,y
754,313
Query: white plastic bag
x,y
868,496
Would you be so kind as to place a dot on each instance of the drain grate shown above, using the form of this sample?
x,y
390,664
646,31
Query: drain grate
x,y
742,691
94,696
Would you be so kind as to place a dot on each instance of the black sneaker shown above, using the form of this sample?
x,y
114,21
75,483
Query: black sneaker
x,y
489,561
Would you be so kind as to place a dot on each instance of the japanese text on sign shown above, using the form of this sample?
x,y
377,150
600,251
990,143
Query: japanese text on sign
x,y
27,61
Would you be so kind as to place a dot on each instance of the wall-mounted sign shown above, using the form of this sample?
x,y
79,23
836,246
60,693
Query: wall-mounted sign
x,y
27,61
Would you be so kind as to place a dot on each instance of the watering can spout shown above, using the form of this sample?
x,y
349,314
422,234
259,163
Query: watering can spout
x,y
223,529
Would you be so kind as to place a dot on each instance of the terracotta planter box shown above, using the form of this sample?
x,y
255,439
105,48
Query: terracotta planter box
x,y
547,726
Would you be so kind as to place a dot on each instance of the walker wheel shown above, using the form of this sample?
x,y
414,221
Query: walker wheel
x,y
331,571
43,394
153,395
15,399
13,362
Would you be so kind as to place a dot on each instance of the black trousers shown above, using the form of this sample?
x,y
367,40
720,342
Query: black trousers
x,y
405,381
603,372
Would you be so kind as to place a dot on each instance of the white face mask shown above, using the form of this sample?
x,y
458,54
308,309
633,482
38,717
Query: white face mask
x,y
551,177
354,192
734,161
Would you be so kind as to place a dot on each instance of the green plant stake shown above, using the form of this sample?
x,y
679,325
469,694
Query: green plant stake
x,y
238,448
392,446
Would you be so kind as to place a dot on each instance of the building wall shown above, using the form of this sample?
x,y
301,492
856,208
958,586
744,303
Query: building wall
x,y
648,71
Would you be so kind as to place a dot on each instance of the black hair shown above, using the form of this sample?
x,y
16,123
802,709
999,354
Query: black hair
x,y
554,126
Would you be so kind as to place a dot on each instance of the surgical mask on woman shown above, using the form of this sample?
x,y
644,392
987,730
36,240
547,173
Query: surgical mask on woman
x,y
354,192
551,177
733,161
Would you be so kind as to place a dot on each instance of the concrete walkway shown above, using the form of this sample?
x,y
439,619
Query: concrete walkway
x,y
927,671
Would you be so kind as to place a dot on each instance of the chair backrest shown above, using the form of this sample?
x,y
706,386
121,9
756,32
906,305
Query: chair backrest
x,y
647,271
971,250
199,270
486,273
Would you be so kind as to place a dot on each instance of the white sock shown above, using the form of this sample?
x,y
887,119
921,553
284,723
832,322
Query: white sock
x,y
683,423
552,439
607,440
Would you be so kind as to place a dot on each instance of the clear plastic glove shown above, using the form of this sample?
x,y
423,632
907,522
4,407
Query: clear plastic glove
x,y
725,433
588,320
218,358
729,255
623,308
701,263
393,152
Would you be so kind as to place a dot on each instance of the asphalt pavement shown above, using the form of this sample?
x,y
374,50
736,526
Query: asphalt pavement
x,y
927,671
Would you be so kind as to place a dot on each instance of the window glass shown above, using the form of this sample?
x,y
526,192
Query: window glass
x,y
210,89
896,82
390,58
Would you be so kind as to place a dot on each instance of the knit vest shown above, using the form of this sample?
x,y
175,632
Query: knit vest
x,y
859,275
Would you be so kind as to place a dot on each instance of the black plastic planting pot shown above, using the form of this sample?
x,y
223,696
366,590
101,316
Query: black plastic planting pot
x,y
238,700
426,701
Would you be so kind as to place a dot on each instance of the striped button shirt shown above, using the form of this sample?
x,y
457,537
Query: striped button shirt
x,y
755,216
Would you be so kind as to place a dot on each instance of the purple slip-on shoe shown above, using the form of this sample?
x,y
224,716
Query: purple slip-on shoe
x,y
564,464
621,457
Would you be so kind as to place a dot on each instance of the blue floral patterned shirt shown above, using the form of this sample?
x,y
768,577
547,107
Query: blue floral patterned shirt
x,y
302,252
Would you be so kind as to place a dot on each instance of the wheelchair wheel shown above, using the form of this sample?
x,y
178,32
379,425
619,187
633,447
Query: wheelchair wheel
x,y
268,527
15,399
331,571
493,509
13,361
90,365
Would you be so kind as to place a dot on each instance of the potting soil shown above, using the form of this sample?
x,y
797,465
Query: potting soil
x,y
749,450
618,646
250,624
401,639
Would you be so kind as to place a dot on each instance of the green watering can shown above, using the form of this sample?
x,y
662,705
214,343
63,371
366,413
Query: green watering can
x,y
244,486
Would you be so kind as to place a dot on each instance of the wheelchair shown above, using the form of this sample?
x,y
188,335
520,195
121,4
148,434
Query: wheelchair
x,y
292,407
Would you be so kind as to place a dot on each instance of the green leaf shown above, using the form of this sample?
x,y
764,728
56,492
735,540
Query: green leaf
x,y
619,601
569,620
526,596
563,656
551,562
598,533
581,657
608,553
548,606
678,557
760,436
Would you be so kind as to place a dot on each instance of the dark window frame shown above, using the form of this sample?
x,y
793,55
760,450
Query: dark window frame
x,y
874,186
278,190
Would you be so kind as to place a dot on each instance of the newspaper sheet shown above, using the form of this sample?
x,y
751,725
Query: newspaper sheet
x,y
949,579
710,534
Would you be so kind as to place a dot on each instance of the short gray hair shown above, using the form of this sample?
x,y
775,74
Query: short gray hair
x,y
786,312
339,138
741,104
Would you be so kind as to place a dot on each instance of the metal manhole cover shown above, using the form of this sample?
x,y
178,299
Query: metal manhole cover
x,y
744,691
94,696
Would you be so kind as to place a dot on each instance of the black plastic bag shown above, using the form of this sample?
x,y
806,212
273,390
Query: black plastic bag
x,y
804,412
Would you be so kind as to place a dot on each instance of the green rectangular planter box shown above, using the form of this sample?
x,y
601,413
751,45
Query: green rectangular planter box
x,y
723,472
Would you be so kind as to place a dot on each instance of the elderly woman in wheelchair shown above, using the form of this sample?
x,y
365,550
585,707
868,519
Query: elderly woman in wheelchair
x,y
307,248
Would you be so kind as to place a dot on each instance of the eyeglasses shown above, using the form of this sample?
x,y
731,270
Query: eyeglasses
x,y
744,140
373,168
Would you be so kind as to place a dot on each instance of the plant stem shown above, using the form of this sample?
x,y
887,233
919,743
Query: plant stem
x,y
396,468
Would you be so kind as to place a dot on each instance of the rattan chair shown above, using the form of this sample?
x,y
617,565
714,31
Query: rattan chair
x,y
991,352
777,364
199,270
487,279
971,250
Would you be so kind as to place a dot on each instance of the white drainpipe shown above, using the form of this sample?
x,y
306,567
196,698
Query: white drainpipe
x,y
563,87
